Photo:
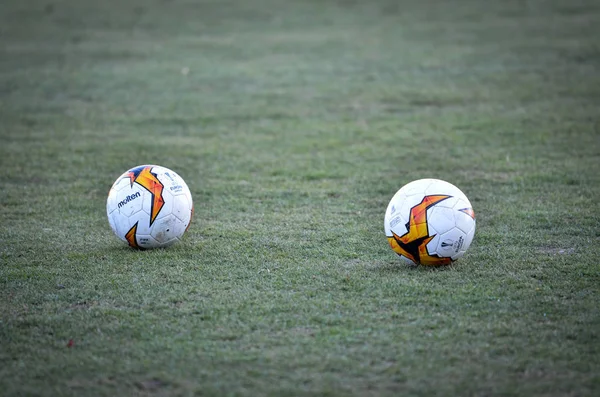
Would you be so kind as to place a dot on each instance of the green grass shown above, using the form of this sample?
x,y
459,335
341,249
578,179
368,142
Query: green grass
x,y
294,123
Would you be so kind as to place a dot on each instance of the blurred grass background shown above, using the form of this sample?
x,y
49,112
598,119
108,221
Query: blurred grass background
x,y
293,123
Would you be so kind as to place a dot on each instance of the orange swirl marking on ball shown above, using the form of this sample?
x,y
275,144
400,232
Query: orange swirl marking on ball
x,y
130,236
413,244
468,211
145,178
191,217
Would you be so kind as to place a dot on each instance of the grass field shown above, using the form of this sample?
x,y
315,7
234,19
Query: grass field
x,y
294,123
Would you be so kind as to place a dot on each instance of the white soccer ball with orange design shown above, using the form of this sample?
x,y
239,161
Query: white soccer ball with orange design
x,y
429,222
149,206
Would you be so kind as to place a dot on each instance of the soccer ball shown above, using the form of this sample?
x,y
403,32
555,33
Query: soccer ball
x,y
149,206
429,222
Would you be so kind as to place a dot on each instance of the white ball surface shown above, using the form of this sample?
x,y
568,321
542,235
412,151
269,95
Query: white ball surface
x,y
429,222
149,206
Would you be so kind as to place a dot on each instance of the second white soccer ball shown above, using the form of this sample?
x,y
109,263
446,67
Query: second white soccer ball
x,y
429,222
